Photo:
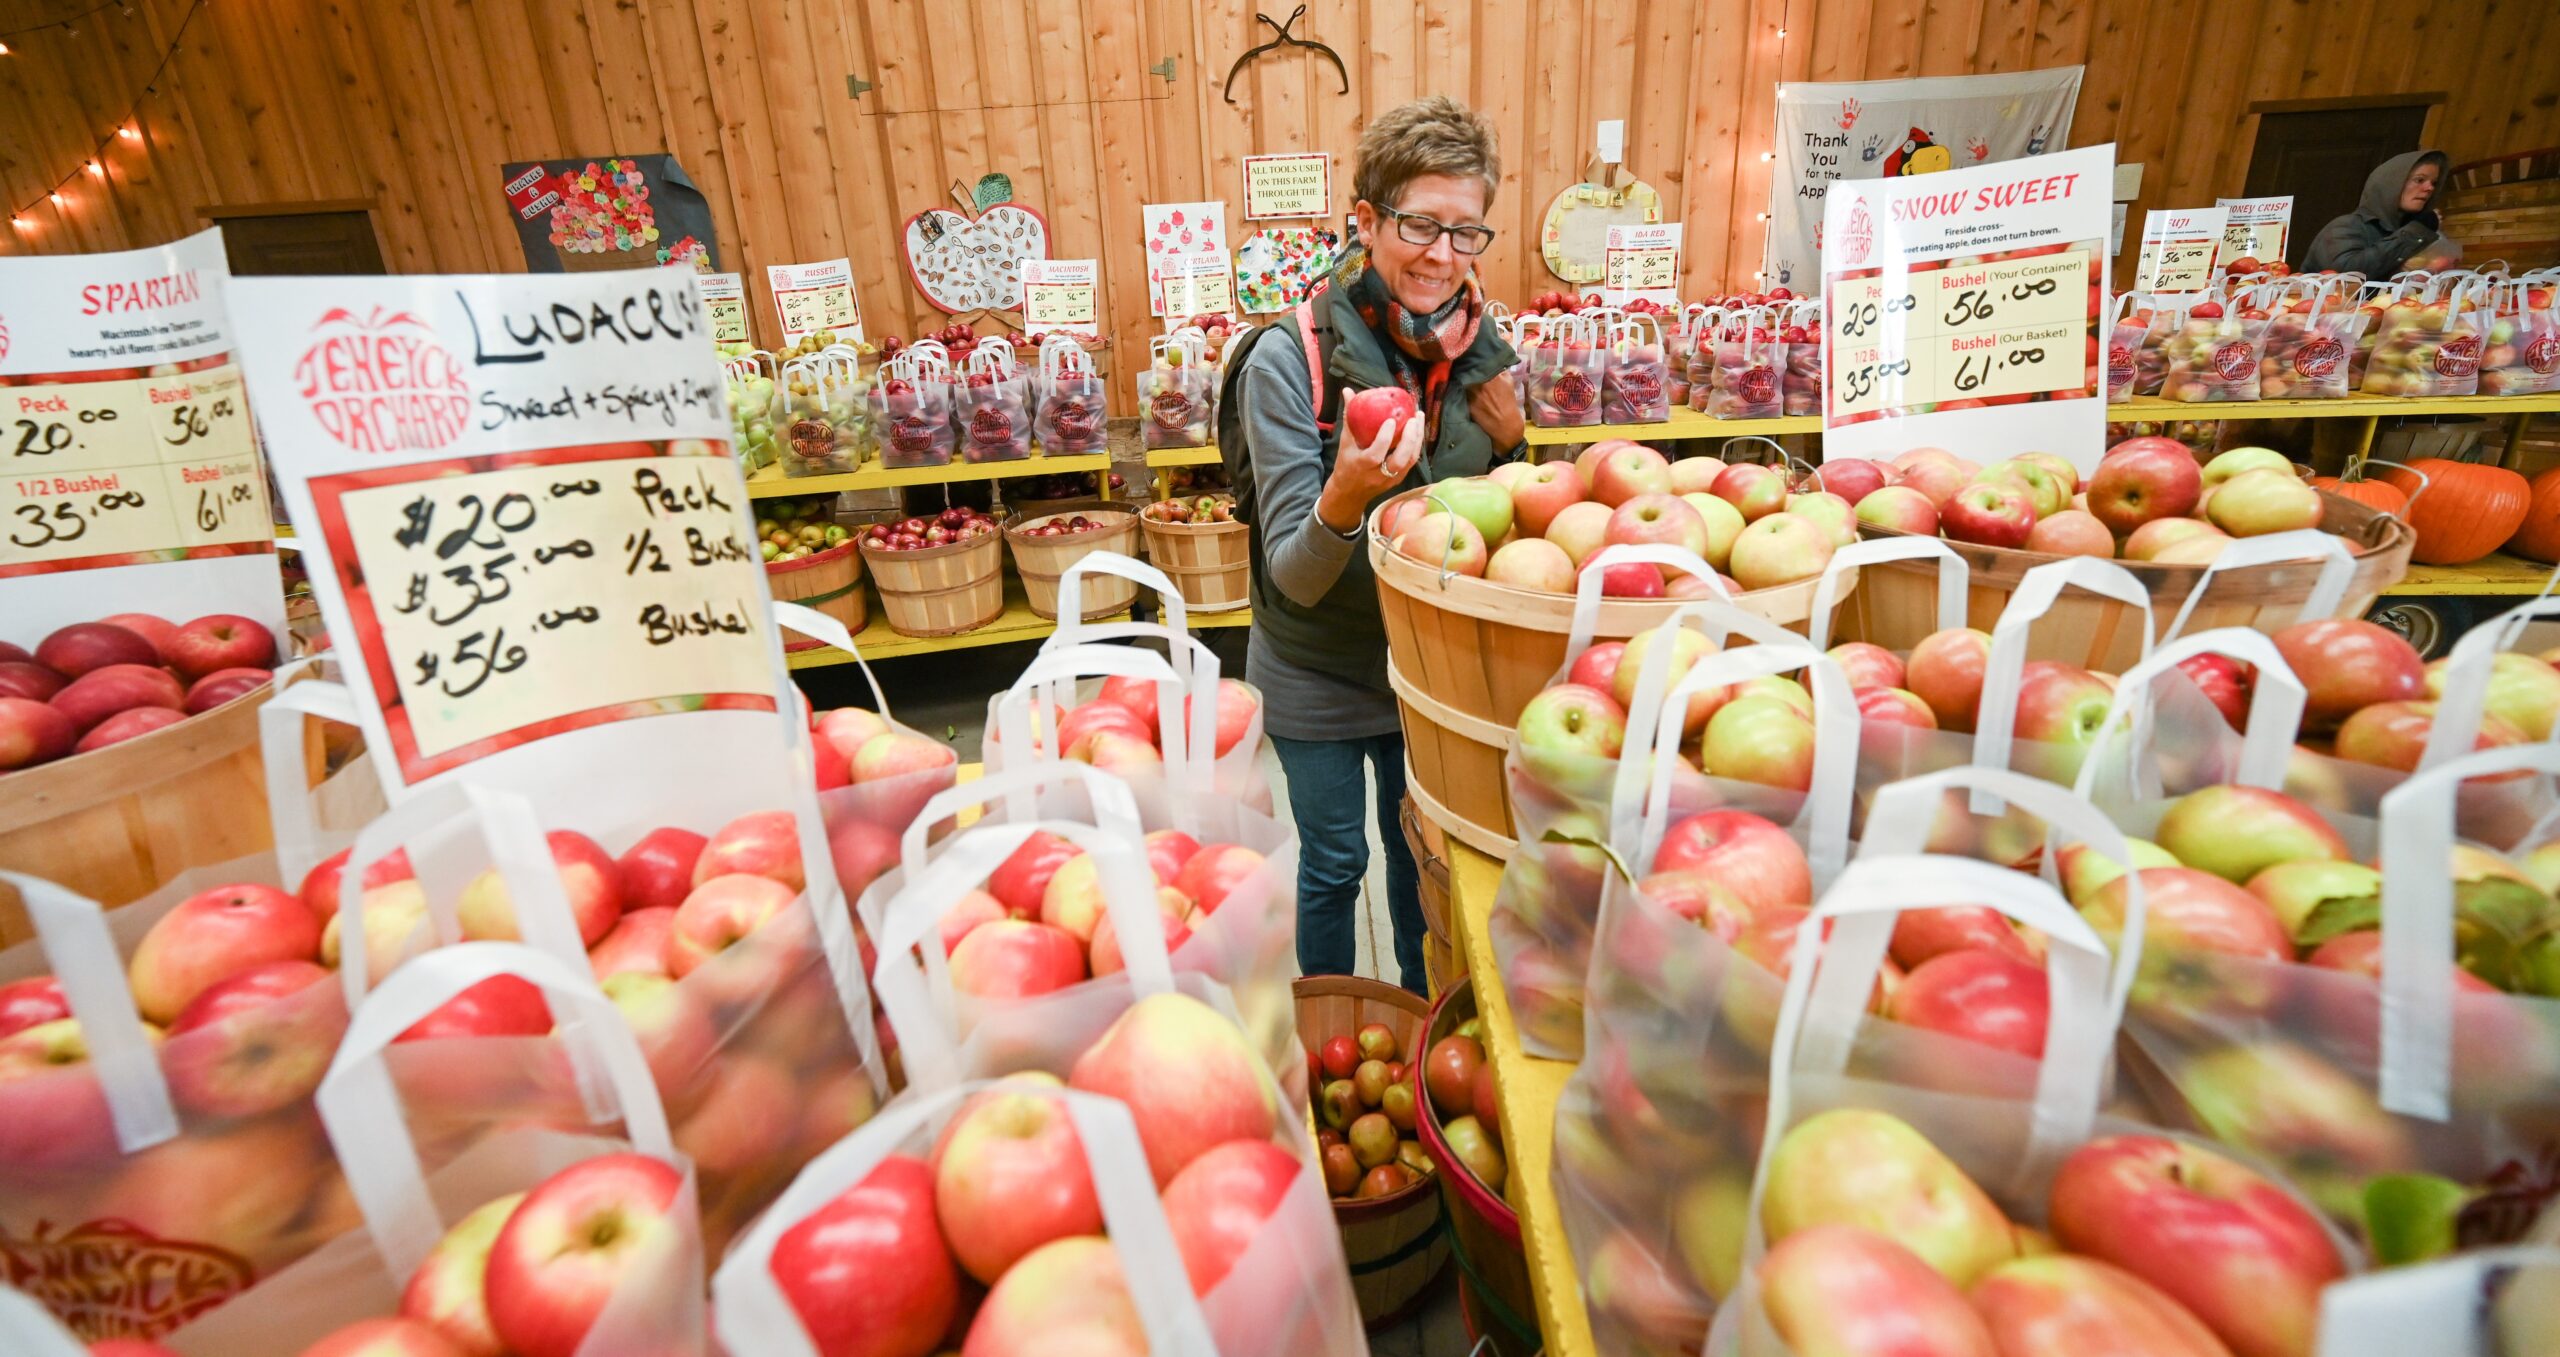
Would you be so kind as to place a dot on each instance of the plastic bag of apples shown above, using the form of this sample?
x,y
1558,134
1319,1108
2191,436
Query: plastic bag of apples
x,y
1020,931
2522,353
1177,392
1746,360
1891,1193
1567,371
552,1236
991,405
2430,337
1072,402
2214,353
2127,324
910,407
2312,337
1759,748
1636,380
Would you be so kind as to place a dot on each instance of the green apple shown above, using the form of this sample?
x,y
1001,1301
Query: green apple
x,y
2226,465
2524,691
2085,869
1480,500
2315,889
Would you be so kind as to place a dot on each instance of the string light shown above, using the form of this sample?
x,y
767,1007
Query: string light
x,y
128,134
125,128
95,171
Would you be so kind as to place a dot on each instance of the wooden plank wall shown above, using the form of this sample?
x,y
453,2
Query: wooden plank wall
x,y
412,104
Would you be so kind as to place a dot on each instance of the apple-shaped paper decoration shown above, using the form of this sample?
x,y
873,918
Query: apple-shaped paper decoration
x,y
1278,265
965,262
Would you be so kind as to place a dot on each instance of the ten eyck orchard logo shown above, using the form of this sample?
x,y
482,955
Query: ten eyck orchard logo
x,y
2319,357
382,382
2460,356
1857,237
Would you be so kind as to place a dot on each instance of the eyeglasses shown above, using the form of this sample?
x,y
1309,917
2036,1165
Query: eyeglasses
x,y
1417,229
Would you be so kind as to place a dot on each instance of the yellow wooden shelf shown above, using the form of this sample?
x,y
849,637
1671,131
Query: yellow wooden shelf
x,y
1016,623
1684,423
769,482
1527,1089
2495,574
1165,457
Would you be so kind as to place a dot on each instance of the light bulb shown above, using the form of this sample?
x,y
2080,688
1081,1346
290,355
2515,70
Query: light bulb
x,y
128,134
4,49
57,198
1768,155
93,169
1763,216
1782,34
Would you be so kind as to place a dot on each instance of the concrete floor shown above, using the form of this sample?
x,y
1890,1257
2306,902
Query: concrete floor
x,y
946,695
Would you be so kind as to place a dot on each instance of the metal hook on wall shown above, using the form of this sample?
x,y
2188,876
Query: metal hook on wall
x,y
1286,38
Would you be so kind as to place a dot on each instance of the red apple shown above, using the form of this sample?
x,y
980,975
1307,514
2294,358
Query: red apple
x,y
212,936
2346,663
1757,491
1084,721
1658,520
85,647
2062,1306
2225,683
1936,473
748,1110
1628,579
1581,529
1895,706
588,877
1541,494
1988,514
500,1006
720,915
1533,564
1945,670
2072,532
1920,935
159,631
1213,874
1065,1296
1981,996
32,733
254,1043
1014,959
1368,411
1867,665
2185,909
1840,1291
24,1003
1746,853
2047,494
53,1115
861,849
638,942
448,1291
1191,1080
657,872
1626,471
1851,478
579,1237
868,1273
320,886
131,723
848,729
1446,542
1136,694
1009,1175
101,693
1167,851
897,753
1238,706
224,685
971,910
1022,878
1900,508
1597,666
1218,1205
27,679
385,1338
2062,705
1171,904
762,843
221,641
2395,734
2142,479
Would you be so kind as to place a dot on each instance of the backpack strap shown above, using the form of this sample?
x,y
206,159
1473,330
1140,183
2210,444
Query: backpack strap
x,y
1311,337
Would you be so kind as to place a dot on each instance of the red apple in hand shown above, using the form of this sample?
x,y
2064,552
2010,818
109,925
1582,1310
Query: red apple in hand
x,y
575,1240
1366,412
221,641
1218,1205
213,936
1980,996
657,872
868,1273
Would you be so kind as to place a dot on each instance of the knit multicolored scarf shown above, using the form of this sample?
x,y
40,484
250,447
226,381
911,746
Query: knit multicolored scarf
x,y
1420,348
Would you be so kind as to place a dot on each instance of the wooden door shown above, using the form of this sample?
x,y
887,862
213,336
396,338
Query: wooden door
x,y
2322,155
332,240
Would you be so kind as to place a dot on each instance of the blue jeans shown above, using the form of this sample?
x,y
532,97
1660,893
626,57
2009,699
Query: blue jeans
x,y
1328,796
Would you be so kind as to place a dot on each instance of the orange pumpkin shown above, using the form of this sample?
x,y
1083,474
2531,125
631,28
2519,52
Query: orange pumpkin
x,y
2381,496
2539,538
2469,509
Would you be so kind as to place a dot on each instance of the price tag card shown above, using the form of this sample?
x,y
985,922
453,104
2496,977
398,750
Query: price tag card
x,y
129,475
813,297
2258,228
525,526
1288,185
1641,263
1062,295
1196,285
724,300
1961,310
2178,250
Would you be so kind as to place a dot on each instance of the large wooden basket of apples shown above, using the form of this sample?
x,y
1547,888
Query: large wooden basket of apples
x,y
1046,543
1476,580
937,576
2150,506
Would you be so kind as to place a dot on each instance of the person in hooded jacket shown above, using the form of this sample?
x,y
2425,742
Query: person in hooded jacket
x,y
2393,223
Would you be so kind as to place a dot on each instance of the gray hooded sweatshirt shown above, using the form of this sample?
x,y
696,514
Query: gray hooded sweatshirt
x,y
2378,238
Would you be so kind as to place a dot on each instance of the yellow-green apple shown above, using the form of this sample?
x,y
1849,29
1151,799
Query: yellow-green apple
x,y
2237,832
2395,734
83,647
2255,503
1839,1291
2185,909
1371,1136
220,641
2144,479
1895,706
2072,532
1167,850
1219,1204
1581,528
1988,514
1444,541
1477,500
24,1003
1509,474
2084,869
158,630
1921,935
1981,996
1014,959
1710,1215
1213,873
1473,1148
53,1110
892,753
638,943
394,921
1852,1166
2300,889
1751,856
1779,548
1867,665
1657,520
2539,865
657,871
447,1292
1828,512
1724,523
1757,491
1171,905
32,733
1694,475
1073,902
130,724
2523,691
1191,1080
1934,472
255,1042
212,936
2058,466
743,1116
1622,473
1532,563
675,1032
2346,663
868,1273
1901,508
2062,1306
2147,542
2234,463
1945,669
101,693
320,885
849,728
1067,1296
224,685
1567,734
1761,740
1688,646
2212,1234
2049,496
239,1190
2322,1125
577,1238
1851,478
1019,882
720,914
2201,549
969,911
386,1338
588,877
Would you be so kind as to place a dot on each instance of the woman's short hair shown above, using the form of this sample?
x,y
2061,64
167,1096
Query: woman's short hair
x,y
1437,135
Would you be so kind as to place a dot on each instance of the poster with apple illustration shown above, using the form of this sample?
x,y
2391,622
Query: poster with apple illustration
x,y
1174,230
133,482
971,260
1963,310
527,532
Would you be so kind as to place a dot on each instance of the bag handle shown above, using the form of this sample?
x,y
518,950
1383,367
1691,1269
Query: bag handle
x,y
361,1109
2276,700
1112,806
1994,730
283,724
1586,588
510,832
818,626
80,949
916,995
752,1315
28,1329
2417,834
2466,679
2431,1307
2337,567
1955,580
1071,623
1187,775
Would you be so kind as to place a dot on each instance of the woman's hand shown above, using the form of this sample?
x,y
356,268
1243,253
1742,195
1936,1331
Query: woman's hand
x,y
1496,407
1362,474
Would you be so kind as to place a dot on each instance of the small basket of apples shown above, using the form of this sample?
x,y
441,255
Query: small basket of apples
x,y
938,576
809,559
1199,542
1361,1036
1046,543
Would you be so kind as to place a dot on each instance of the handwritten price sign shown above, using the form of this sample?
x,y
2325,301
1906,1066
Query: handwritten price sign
x,y
502,604
1060,294
1970,331
94,471
724,305
1641,263
1198,285
808,298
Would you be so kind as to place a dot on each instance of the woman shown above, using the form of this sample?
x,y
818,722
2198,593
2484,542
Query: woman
x,y
1404,310
2391,224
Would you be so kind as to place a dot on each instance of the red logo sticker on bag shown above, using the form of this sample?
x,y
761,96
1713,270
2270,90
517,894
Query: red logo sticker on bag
x,y
1759,384
2319,357
2234,361
2120,357
383,383
2543,354
106,1279
2460,356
